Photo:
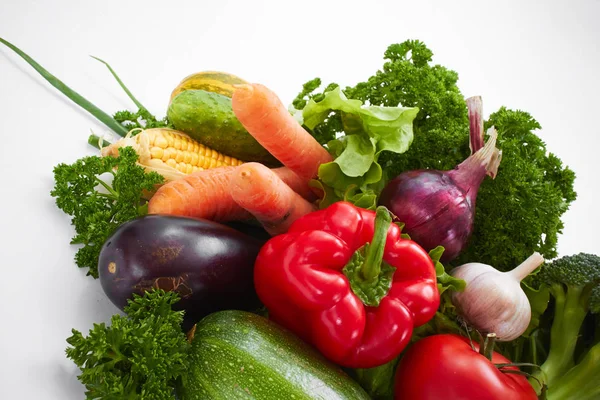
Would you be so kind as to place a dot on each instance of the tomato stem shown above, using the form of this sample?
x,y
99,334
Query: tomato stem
x,y
542,395
487,347
468,332
516,365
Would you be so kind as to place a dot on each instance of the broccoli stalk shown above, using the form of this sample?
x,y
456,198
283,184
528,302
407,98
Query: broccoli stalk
x,y
568,316
581,380
573,284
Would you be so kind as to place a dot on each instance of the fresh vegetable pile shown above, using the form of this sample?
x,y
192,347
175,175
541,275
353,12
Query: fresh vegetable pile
x,y
260,251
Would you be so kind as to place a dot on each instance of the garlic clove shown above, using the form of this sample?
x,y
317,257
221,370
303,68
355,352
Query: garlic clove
x,y
493,301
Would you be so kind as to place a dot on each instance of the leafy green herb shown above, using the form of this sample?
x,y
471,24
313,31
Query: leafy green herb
x,y
139,356
520,211
517,213
141,119
378,382
368,132
408,78
96,214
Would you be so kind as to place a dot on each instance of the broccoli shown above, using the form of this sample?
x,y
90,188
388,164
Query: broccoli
x,y
574,284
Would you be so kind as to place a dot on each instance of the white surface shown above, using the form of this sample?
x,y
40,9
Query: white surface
x,y
539,57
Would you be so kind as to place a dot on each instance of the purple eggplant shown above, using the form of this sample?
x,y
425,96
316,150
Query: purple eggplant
x,y
210,265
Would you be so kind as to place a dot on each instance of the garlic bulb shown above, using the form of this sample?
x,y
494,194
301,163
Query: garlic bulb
x,y
493,301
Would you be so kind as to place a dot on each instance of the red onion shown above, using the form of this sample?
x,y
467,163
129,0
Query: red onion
x,y
438,207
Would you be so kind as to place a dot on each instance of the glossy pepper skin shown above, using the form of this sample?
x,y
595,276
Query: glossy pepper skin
x,y
299,278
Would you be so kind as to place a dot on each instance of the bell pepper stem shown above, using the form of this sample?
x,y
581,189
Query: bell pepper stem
x,y
372,266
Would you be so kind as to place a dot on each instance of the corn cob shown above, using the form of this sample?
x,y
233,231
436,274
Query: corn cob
x,y
171,153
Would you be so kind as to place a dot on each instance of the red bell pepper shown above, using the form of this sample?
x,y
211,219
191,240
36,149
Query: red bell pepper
x,y
346,282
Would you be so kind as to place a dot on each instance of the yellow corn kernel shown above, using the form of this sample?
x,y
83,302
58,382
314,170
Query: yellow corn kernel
x,y
194,159
171,153
159,141
157,152
177,143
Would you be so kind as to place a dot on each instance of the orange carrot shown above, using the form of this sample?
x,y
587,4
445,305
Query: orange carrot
x,y
274,204
270,123
297,184
205,194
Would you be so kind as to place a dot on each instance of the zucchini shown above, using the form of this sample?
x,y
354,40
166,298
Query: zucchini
x,y
211,81
239,355
208,118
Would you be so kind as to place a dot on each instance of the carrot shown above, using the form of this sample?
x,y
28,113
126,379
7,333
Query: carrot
x,y
265,117
296,183
274,204
205,194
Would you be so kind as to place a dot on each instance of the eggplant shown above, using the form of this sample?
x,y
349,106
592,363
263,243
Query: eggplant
x,y
210,265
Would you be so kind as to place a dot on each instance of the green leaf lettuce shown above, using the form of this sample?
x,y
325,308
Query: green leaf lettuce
x,y
369,130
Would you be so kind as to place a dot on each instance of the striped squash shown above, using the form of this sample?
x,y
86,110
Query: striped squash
x,y
211,81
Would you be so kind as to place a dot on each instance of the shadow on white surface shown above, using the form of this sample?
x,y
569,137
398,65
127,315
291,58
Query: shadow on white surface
x,y
66,379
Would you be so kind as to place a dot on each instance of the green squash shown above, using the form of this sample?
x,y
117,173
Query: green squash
x,y
239,355
208,118
211,81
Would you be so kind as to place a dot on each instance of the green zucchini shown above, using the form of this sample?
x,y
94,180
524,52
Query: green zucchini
x,y
239,355
208,118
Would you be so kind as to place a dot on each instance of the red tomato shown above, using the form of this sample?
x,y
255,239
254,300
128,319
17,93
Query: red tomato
x,y
446,367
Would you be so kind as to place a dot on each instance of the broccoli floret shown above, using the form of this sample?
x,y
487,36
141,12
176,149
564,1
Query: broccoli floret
x,y
574,284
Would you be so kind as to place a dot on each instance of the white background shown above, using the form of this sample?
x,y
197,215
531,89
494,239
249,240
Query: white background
x,y
542,57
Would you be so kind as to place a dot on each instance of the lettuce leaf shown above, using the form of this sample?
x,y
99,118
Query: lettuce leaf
x,y
368,131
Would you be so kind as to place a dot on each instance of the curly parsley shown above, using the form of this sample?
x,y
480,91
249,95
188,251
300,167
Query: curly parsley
x,y
142,119
95,213
520,211
517,213
139,356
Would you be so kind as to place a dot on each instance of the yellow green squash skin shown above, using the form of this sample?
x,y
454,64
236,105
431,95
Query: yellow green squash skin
x,y
208,118
239,355
211,81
